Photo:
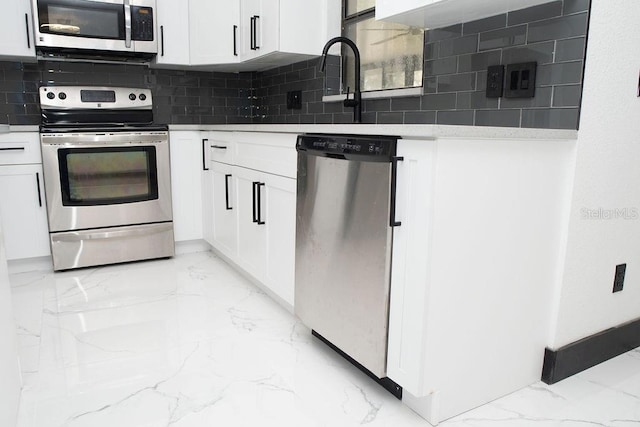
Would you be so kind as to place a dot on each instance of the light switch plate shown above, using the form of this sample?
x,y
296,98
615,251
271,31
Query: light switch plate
x,y
521,80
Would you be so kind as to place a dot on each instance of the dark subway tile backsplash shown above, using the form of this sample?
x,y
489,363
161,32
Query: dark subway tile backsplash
x,y
180,97
454,80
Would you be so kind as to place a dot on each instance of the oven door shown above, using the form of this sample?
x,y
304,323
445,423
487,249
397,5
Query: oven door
x,y
98,180
104,25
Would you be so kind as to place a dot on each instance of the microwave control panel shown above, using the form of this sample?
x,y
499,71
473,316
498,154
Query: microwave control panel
x,y
141,23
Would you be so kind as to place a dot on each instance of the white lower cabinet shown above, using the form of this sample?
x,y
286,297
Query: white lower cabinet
x,y
249,205
23,211
266,228
280,206
223,220
252,230
186,184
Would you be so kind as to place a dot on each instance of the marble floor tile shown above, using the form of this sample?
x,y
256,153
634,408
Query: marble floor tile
x,y
189,342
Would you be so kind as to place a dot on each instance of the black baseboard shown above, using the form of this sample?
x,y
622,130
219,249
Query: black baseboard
x,y
385,382
581,355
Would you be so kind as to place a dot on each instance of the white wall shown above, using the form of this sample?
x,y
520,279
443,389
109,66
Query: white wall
x,y
10,382
607,177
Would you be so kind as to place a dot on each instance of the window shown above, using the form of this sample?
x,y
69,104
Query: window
x,y
391,54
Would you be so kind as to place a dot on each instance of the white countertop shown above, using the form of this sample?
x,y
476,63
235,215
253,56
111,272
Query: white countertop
x,y
405,131
19,128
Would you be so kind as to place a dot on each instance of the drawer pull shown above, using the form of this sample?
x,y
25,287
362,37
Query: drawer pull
x,y
219,147
12,149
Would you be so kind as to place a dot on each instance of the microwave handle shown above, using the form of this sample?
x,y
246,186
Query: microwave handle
x,y
127,24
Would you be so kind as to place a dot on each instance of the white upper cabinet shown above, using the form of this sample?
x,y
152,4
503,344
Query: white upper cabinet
x,y
281,31
214,32
16,30
252,34
173,33
260,22
441,13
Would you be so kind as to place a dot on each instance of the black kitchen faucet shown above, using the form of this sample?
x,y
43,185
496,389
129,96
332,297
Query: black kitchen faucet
x,y
356,102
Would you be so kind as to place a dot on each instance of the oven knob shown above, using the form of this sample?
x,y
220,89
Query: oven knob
x,y
51,95
62,96
132,96
142,97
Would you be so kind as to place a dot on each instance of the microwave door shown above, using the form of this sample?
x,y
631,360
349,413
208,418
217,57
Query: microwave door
x,y
82,24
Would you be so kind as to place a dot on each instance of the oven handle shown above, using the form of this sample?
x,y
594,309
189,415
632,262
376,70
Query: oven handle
x,y
127,24
101,235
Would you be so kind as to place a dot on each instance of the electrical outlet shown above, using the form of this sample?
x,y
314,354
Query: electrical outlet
x,y
495,78
618,280
294,100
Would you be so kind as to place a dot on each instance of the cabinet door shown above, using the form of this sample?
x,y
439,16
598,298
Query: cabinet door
x,y
252,232
260,27
186,184
23,211
173,32
224,210
16,30
215,35
280,219
410,264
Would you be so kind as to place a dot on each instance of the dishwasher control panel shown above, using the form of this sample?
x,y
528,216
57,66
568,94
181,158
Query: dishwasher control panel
x,y
373,148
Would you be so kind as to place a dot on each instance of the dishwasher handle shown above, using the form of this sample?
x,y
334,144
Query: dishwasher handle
x,y
394,187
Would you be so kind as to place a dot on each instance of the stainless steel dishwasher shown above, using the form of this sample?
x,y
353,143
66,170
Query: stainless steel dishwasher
x,y
345,215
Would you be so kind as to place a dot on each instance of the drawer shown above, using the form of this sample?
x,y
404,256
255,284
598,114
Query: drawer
x,y
20,148
268,152
220,146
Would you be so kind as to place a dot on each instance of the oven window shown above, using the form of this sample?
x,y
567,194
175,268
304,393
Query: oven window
x,y
82,18
107,176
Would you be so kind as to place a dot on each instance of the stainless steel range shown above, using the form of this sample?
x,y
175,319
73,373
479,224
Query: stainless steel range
x,y
107,176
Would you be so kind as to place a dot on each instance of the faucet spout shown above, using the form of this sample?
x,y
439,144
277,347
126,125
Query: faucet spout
x,y
356,102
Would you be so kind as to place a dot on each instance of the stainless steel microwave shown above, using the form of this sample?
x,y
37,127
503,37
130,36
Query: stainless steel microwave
x,y
100,25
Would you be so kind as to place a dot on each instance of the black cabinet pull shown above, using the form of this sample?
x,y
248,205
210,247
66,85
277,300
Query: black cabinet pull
x,y
219,147
235,40
259,216
252,27
38,185
255,213
394,187
226,191
204,157
12,149
26,23
161,40
255,32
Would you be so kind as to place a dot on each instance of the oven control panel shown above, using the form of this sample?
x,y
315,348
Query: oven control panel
x,y
94,98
